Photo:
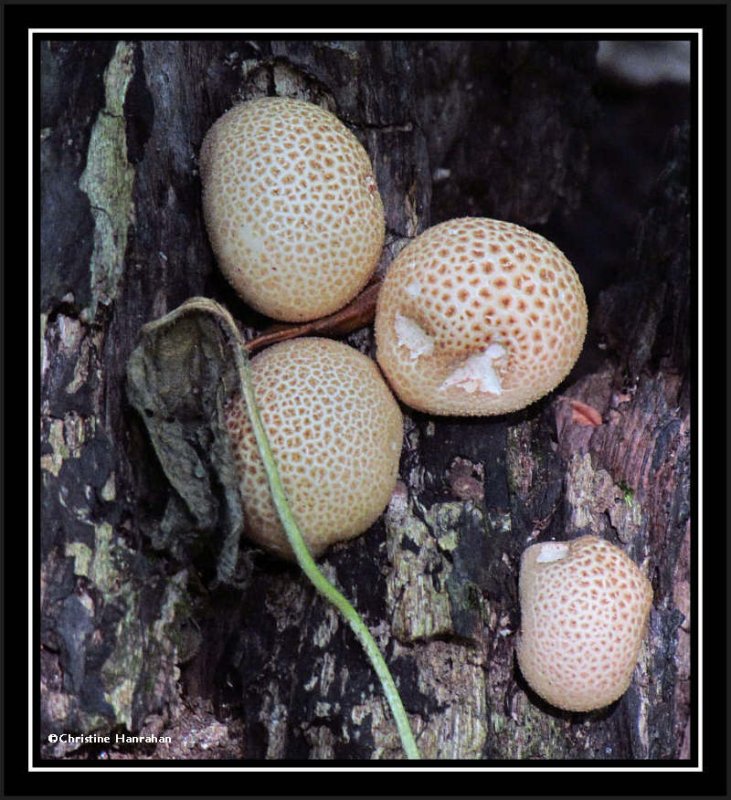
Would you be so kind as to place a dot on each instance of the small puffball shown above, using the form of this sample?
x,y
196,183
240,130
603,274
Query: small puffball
x,y
478,317
584,606
336,434
291,206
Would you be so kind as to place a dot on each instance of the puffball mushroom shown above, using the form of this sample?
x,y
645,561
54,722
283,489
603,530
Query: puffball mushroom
x,y
336,433
584,606
292,207
478,317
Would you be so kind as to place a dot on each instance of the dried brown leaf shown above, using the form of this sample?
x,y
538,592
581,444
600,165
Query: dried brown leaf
x,y
355,315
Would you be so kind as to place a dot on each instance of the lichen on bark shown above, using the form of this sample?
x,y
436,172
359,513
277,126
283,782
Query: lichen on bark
x,y
108,181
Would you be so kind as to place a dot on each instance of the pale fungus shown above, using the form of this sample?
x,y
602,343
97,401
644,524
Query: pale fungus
x,y
292,207
584,606
336,434
478,317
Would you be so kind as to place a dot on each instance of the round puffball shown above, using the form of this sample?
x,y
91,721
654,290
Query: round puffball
x,y
292,207
478,317
584,606
336,433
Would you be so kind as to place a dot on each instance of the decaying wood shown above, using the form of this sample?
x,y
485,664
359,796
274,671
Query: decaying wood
x,y
130,626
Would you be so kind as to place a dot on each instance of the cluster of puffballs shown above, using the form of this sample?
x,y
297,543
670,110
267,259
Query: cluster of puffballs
x,y
475,317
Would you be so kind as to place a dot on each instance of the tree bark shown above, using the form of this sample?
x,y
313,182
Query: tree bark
x,y
144,636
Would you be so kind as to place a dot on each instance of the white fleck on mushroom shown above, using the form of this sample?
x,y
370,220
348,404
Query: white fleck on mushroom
x,y
292,207
336,433
412,337
584,606
498,320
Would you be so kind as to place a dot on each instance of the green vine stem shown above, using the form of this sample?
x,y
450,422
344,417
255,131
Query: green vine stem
x,y
294,535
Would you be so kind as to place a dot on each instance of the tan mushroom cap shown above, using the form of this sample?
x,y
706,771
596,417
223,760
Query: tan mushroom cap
x,y
292,207
584,606
477,317
336,433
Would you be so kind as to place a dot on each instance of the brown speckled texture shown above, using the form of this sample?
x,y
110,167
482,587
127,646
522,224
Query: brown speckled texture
x,y
292,207
336,434
583,618
468,284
